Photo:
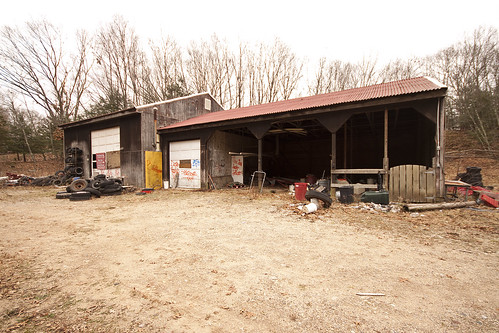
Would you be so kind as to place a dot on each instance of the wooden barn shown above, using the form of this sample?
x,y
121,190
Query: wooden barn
x,y
125,143
392,131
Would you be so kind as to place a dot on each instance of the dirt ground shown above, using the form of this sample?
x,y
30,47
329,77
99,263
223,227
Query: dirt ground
x,y
228,261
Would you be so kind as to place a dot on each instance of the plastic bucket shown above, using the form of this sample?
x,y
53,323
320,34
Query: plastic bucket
x,y
300,191
346,194
310,208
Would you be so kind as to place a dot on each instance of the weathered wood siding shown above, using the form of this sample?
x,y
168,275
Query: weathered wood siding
x,y
220,162
130,150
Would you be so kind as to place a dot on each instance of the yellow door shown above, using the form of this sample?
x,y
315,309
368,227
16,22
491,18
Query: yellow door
x,y
154,169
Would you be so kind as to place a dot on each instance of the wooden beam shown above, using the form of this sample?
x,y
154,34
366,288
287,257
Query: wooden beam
x,y
386,164
345,145
355,185
439,171
358,171
445,205
333,155
260,164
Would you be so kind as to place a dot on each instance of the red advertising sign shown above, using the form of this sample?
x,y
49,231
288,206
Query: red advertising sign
x,y
101,161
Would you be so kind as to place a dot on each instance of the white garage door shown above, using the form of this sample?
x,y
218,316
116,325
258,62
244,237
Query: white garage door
x,y
185,164
106,152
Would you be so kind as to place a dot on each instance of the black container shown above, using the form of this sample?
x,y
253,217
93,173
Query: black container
x,y
346,194
378,197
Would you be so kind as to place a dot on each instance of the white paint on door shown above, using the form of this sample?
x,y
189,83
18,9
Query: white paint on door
x,y
185,164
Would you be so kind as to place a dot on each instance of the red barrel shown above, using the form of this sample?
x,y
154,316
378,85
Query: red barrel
x,y
300,190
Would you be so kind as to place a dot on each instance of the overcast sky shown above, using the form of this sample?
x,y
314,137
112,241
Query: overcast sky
x,y
344,30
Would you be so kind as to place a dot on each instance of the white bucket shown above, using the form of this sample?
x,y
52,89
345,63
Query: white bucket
x,y
166,185
310,208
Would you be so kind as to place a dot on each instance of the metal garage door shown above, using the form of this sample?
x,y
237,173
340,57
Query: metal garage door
x,y
106,152
185,166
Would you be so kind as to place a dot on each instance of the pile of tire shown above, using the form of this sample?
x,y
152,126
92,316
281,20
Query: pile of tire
x,y
472,176
57,179
83,189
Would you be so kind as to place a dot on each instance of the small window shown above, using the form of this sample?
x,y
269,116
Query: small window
x,y
185,164
207,104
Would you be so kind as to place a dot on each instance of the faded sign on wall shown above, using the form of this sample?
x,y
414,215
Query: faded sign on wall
x,y
237,169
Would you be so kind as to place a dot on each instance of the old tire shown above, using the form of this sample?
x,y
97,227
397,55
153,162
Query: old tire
x,y
62,195
117,181
111,189
105,183
93,191
79,196
326,199
60,174
95,184
78,185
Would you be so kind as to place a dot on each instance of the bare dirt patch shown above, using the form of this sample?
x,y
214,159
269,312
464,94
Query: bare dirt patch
x,y
224,261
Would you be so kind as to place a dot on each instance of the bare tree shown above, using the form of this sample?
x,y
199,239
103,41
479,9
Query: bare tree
x,y
34,63
401,69
470,70
333,76
167,79
240,70
273,73
257,92
209,68
122,64
365,73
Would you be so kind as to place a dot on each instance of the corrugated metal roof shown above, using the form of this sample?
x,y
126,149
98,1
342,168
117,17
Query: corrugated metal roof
x,y
390,89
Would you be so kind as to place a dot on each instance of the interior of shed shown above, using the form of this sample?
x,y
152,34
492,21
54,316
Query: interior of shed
x,y
296,148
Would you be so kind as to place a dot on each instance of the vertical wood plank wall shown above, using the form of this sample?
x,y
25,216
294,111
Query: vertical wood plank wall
x,y
412,183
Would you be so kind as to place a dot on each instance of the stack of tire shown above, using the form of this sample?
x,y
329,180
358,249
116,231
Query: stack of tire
x,y
73,163
83,189
73,168
472,176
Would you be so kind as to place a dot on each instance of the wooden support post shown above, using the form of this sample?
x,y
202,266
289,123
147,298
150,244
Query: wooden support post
x,y
386,164
345,145
439,171
333,156
260,166
277,145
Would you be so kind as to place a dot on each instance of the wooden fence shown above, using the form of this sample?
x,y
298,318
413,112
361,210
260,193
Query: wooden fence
x,y
412,183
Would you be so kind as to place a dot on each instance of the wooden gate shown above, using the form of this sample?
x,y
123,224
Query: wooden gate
x,y
412,183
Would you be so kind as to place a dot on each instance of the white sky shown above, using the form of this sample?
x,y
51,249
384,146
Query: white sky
x,y
344,30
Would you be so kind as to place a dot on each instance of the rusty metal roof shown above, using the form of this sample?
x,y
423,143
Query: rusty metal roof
x,y
390,89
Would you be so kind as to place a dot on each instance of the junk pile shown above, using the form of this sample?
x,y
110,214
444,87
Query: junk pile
x,y
83,189
235,185
73,168
317,194
474,186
